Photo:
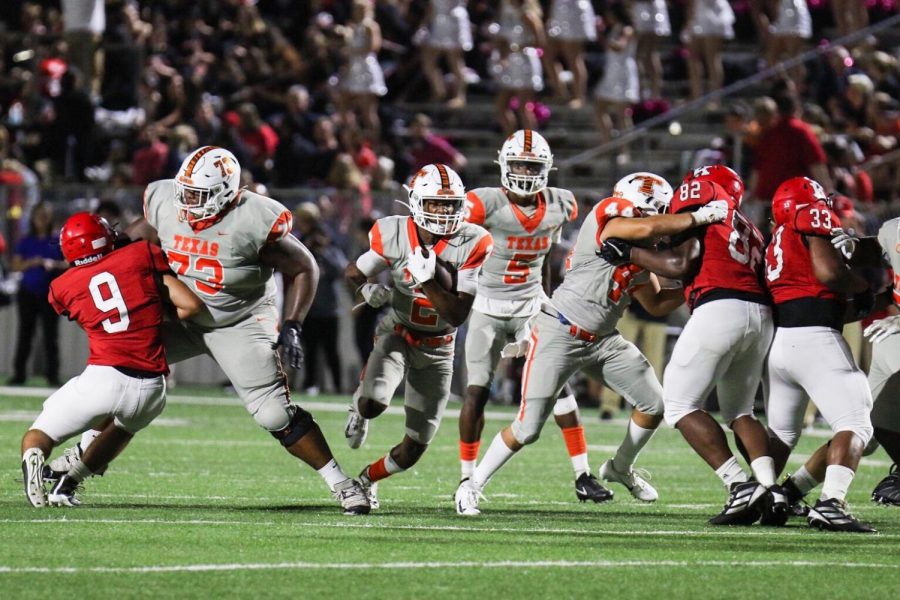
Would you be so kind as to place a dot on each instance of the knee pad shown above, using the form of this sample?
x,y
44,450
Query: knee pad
x,y
565,405
301,422
675,411
525,435
788,438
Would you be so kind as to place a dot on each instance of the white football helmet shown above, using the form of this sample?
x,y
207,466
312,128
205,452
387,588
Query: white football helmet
x,y
647,191
441,183
207,181
528,151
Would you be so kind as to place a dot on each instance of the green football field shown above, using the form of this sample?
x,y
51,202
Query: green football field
x,y
205,504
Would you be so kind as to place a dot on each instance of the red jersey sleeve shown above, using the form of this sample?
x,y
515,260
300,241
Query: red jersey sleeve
x,y
816,219
57,306
158,260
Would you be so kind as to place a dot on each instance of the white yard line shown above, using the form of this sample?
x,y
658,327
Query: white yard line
x,y
402,566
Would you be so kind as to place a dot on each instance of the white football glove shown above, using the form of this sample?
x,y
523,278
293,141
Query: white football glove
x,y
515,349
376,294
713,212
420,267
844,241
882,329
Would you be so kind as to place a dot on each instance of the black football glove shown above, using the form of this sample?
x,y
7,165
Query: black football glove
x,y
615,251
289,337
863,303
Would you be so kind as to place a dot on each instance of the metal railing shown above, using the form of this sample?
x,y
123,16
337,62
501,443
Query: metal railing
x,y
565,166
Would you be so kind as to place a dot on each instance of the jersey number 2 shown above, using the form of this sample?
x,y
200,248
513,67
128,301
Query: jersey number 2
x,y
112,301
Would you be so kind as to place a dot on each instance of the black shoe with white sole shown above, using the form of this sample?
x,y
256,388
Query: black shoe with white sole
x,y
744,506
587,487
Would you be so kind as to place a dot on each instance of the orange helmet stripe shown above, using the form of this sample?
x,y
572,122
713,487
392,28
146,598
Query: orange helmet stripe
x,y
189,170
527,145
445,179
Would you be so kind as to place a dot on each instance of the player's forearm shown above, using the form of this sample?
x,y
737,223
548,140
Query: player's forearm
x,y
666,262
451,307
299,294
664,302
633,230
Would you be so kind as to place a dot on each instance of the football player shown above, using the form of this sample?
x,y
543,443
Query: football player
x,y
415,340
525,218
117,298
225,242
576,331
724,343
883,380
809,358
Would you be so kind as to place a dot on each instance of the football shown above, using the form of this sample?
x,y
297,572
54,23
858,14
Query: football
x,y
445,275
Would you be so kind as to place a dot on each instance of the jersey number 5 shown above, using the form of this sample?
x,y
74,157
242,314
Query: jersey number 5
x,y
110,301
518,269
211,284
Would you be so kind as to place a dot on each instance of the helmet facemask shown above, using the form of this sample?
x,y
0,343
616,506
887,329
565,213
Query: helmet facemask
x,y
524,176
438,223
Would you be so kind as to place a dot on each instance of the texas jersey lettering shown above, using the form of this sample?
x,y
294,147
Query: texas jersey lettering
x,y
220,262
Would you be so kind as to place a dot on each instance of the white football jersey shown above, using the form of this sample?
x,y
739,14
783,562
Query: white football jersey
x,y
889,238
522,241
392,239
594,293
220,262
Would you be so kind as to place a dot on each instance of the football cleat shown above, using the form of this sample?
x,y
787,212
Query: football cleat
x,y
466,499
888,491
833,515
369,488
634,480
32,466
776,510
353,497
744,504
587,487
63,493
356,429
798,507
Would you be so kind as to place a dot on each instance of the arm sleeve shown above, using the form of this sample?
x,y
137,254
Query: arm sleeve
x,y
57,306
815,220
157,258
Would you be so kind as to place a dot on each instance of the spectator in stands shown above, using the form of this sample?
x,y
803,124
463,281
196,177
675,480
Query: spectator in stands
x,y
786,34
425,147
709,24
447,34
151,157
571,24
854,109
320,328
518,72
37,256
650,19
849,16
84,22
362,80
69,135
787,148
258,141
620,86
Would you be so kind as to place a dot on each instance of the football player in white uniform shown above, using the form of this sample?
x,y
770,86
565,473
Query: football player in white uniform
x,y
415,340
225,242
577,331
525,218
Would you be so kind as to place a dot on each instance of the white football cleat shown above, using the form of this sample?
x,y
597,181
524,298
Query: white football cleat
x,y
65,461
32,466
356,429
353,497
466,499
635,481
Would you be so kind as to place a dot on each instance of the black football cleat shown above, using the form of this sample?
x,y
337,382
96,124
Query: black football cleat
x,y
744,506
798,507
63,493
775,511
888,491
832,515
587,487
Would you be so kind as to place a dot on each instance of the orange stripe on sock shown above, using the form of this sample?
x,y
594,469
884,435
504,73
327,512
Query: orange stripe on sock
x,y
377,470
575,442
468,450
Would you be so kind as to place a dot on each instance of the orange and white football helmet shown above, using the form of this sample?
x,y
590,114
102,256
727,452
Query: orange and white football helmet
x,y
530,152
439,183
207,181
647,191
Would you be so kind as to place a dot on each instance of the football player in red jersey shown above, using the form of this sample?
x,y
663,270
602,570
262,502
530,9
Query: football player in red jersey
x,y
809,359
724,343
117,298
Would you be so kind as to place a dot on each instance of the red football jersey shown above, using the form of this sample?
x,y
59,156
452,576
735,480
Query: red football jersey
x,y
732,250
789,270
117,302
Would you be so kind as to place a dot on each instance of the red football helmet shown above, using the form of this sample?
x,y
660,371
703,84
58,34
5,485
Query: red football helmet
x,y
691,195
730,181
85,238
793,195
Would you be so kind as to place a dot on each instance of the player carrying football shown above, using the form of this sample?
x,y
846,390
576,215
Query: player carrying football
x,y
117,298
525,217
577,331
415,340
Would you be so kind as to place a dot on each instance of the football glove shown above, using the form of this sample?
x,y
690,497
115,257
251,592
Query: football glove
x,y
863,303
882,329
289,337
713,212
375,294
421,267
515,349
844,241
615,251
